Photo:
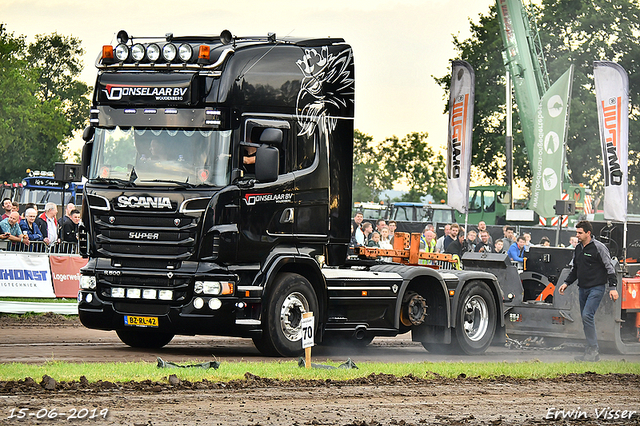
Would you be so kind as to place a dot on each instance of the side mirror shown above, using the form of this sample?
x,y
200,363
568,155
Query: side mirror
x,y
267,163
88,133
271,136
86,158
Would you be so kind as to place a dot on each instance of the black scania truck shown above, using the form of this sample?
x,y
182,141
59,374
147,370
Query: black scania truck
x,y
218,202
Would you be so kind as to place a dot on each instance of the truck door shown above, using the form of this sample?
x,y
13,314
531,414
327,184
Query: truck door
x,y
266,209
312,189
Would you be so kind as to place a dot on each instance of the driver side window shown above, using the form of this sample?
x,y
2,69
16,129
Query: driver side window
x,y
254,130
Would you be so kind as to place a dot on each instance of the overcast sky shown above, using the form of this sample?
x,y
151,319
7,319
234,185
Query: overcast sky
x,y
398,45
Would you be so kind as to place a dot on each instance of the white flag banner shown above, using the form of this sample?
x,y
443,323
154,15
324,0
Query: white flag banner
x,y
460,133
25,275
612,97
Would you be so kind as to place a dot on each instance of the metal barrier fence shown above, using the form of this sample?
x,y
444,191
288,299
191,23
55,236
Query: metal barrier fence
x,y
63,247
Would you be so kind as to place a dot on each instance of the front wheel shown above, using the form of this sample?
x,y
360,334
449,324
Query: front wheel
x,y
143,338
475,318
291,296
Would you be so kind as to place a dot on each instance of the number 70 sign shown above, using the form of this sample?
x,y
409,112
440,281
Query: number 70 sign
x,y
307,330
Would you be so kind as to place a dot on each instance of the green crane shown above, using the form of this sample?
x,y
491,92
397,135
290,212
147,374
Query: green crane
x,y
543,108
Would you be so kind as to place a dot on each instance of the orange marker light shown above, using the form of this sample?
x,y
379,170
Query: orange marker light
x,y
365,293
247,293
227,288
107,52
204,52
452,292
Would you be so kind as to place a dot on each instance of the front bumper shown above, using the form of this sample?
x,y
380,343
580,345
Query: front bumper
x,y
119,294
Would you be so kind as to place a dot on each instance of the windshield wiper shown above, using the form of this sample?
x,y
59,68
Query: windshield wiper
x,y
114,181
177,182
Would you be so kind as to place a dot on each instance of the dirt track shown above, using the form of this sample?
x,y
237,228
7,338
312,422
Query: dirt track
x,y
374,400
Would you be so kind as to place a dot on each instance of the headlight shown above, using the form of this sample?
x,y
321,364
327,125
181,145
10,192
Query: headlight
x,y
153,52
133,293
215,304
87,282
122,52
185,52
169,52
165,295
198,287
149,294
212,287
117,292
198,303
137,52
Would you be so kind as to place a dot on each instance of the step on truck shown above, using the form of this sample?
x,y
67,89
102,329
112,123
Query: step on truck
x,y
218,202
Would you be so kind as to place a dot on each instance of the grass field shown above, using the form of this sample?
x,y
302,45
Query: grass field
x,y
289,370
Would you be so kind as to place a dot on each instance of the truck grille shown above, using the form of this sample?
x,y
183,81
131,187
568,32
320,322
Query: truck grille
x,y
145,236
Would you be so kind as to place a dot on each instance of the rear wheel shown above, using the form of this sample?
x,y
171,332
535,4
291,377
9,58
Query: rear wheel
x,y
475,318
143,338
291,296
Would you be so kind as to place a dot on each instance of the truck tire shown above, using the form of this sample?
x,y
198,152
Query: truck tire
x,y
475,318
142,338
290,297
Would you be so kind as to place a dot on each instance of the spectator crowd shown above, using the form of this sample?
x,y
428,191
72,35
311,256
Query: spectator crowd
x,y
454,241
37,232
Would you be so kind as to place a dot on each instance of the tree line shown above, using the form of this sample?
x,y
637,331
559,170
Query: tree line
x,y
42,101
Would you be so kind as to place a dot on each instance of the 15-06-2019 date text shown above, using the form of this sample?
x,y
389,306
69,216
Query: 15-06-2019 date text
x,y
54,413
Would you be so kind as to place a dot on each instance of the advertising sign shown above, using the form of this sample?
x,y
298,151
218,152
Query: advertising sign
x,y
65,273
460,132
550,133
25,275
612,96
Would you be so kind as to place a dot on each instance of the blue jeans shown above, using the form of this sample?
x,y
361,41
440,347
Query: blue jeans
x,y
589,301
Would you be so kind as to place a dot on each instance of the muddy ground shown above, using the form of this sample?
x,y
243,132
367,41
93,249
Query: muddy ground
x,y
375,400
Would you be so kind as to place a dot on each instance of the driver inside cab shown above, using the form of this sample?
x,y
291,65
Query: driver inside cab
x,y
249,160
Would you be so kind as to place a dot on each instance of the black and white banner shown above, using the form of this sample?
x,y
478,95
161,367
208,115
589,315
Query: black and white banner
x,y
25,275
612,96
460,133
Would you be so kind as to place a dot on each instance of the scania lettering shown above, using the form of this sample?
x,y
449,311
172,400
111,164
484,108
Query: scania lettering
x,y
218,202
145,202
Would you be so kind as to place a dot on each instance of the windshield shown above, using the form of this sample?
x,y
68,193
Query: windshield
x,y
152,156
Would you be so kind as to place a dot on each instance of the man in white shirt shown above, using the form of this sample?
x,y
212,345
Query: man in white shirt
x,y
440,241
48,224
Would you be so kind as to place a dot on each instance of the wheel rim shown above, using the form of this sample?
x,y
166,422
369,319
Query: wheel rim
x,y
476,318
291,315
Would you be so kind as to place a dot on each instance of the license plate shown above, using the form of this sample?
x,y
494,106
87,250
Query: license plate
x,y
141,321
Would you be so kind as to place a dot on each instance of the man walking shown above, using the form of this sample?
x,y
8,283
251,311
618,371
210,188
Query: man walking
x,y
592,267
